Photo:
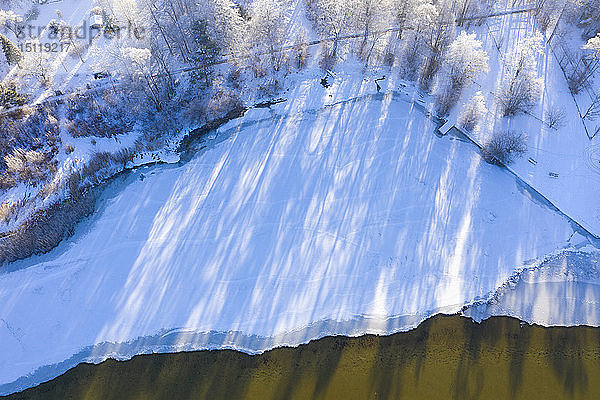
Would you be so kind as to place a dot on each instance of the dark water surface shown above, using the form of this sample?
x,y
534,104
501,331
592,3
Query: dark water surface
x,y
446,357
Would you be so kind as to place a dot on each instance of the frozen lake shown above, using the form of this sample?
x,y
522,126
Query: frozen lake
x,y
354,212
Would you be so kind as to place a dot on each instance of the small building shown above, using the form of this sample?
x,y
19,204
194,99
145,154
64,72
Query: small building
x,y
96,20
444,129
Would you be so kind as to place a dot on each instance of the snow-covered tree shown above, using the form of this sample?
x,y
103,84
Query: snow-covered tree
x,y
594,45
12,54
37,65
206,52
333,18
371,18
522,86
473,112
465,60
130,12
429,30
268,24
135,66
9,96
9,21
225,25
135,62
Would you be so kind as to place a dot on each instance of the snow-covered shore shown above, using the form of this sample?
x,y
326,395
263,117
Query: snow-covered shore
x,y
291,218
563,290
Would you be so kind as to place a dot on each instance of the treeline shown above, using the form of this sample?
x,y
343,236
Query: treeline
x,y
178,62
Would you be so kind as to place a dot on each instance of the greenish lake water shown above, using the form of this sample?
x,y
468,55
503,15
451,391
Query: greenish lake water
x,y
446,357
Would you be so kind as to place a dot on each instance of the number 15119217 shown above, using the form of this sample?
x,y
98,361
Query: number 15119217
x,y
30,47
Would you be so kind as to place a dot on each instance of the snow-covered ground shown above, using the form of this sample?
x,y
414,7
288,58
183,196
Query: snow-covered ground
x,y
289,217
72,72
336,212
562,290
561,162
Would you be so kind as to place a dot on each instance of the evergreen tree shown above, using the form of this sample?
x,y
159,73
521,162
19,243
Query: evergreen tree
x,y
11,52
9,97
206,54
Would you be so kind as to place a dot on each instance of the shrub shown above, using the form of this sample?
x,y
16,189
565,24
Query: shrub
x,y
88,116
328,60
92,170
504,146
10,210
555,117
195,111
389,58
157,128
28,129
13,116
7,181
122,157
472,113
234,78
46,228
222,102
444,101
30,166
270,88
257,67
520,97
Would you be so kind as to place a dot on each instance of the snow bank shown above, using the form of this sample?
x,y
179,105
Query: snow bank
x,y
306,222
563,290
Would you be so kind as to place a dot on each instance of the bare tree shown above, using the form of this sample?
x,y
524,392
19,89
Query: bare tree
x,y
504,146
472,113
555,117
523,86
332,18
268,23
593,110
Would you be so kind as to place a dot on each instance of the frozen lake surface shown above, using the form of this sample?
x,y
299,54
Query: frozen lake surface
x,y
289,220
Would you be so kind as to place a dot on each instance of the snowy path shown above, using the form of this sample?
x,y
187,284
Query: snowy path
x,y
356,211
